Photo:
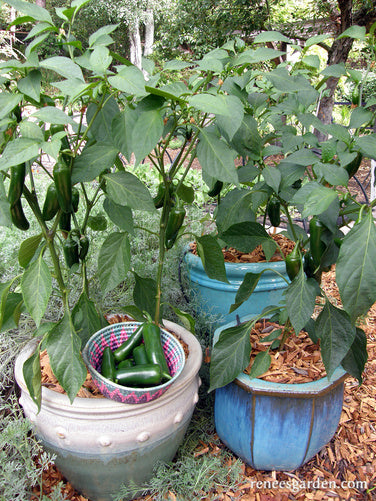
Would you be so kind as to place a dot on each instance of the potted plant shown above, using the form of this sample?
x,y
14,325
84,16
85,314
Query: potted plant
x,y
280,426
84,126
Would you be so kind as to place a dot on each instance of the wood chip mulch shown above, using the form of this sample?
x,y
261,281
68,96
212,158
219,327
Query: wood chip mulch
x,y
345,469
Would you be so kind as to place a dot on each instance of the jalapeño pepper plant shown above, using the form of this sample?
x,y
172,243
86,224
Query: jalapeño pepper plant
x,y
304,184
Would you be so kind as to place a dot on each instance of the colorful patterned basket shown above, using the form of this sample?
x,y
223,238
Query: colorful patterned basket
x,y
113,336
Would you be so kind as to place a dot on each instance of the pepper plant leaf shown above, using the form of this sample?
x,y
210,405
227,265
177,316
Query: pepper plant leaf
x,y
64,350
86,318
247,236
126,189
114,260
212,258
357,356
245,290
230,355
260,364
36,286
356,268
93,160
33,379
300,300
336,333
145,293
216,157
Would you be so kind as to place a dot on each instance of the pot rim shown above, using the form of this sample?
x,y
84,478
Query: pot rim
x,y
61,401
300,390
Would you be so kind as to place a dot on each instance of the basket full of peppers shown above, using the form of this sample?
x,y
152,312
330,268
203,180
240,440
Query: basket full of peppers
x,y
133,362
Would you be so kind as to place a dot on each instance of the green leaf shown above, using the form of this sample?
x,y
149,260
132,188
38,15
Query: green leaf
x,y
236,206
164,93
358,32
304,157
246,289
28,249
334,70
230,355
63,66
8,102
73,87
120,215
18,151
93,161
10,314
97,223
186,193
97,37
114,261
318,200
300,300
186,319
212,258
86,319
271,36
31,85
357,356
257,56
32,131
124,188
53,115
64,350
333,174
33,378
129,80
316,39
175,65
340,132
359,117
31,9
247,141
220,104
147,132
216,158
356,268
260,364
145,294
245,236
101,127
336,334
36,286
5,219
367,145
312,61
273,177
121,130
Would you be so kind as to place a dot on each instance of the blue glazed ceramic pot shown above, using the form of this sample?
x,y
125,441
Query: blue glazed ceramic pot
x,y
274,426
216,297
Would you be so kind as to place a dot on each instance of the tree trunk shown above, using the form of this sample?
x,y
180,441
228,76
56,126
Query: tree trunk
x,y
339,53
135,45
149,33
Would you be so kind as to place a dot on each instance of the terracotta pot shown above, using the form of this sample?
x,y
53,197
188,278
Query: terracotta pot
x,y
99,443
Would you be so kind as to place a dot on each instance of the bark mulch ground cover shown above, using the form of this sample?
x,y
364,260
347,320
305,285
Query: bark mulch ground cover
x,y
345,469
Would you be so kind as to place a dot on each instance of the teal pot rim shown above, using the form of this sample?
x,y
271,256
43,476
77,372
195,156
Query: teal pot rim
x,y
235,271
299,390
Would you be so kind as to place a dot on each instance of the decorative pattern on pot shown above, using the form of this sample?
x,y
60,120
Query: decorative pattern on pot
x,y
99,443
274,426
214,297
113,336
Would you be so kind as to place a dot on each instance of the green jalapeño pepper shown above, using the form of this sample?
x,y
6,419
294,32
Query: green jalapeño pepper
x,y
84,247
159,197
75,199
70,249
17,179
273,210
128,346
108,368
51,203
216,189
316,245
293,262
63,183
153,348
353,166
65,223
174,223
18,217
139,355
125,363
139,375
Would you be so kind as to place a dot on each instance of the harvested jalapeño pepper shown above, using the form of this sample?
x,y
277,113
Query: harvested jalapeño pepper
x,y
108,364
128,346
139,355
153,348
139,375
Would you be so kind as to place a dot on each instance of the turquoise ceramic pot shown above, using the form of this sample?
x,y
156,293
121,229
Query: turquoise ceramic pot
x,y
274,426
215,298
